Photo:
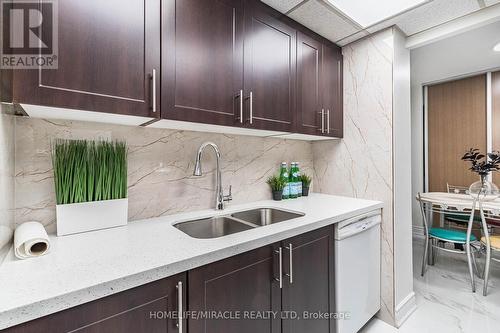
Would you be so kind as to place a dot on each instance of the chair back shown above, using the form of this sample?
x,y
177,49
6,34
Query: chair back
x,y
457,189
428,208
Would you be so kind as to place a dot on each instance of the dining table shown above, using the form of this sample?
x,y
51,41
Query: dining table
x,y
487,207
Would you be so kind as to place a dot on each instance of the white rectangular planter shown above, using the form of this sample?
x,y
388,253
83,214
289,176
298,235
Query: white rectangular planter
x,y
88,216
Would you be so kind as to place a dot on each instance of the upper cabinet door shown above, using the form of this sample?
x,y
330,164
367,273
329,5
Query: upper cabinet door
x,y
309,103
270,56
107,52
202,61
332,91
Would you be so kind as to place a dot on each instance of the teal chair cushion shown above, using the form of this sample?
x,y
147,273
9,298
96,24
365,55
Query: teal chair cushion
x,y
461,218
452,236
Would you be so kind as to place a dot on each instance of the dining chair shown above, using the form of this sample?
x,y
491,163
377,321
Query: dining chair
x,y
434,237
489,242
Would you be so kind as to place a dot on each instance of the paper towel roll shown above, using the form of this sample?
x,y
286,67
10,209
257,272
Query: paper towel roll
x,y
30,240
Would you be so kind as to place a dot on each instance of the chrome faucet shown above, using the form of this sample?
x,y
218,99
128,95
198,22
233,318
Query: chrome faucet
x,y
220,198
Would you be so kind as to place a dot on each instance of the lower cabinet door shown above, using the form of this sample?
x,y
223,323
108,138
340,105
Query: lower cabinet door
x,y
308,289
236,295
142,309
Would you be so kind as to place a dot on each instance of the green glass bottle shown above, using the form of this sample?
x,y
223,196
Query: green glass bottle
x,y
293,182
284,175
299,181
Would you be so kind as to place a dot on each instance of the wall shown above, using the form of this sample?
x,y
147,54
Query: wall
x,y
361,165
161,164
403,254
6,175
460,55
7,129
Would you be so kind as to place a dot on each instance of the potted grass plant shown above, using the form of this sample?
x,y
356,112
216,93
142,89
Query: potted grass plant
x,y
306,184
91,185
277,185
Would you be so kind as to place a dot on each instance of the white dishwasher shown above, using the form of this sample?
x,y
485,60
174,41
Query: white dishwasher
x,y
357,270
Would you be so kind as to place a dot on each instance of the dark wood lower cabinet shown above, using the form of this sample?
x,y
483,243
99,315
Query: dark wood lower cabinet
x,y
309,290
248,282
240,294
141,309
241,284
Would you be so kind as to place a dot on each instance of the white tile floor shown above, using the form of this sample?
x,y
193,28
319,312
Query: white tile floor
x,y
445,303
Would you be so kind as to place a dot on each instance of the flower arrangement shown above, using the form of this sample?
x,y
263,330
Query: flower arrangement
x,y
482,164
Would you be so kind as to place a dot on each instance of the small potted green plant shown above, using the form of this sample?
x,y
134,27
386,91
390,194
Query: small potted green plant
x,y
90,181
277,185
306,184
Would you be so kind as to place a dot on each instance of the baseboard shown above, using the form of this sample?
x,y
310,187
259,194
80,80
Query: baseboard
x,y
418,231
405,309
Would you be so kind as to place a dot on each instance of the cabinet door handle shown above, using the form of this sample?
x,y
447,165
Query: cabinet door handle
x,y
290,264
240,95
328,121
250,97
322,121
280,256
179,304
153,78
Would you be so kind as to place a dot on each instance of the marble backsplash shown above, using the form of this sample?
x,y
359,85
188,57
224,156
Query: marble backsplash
x,y
7,130
360,165
160,171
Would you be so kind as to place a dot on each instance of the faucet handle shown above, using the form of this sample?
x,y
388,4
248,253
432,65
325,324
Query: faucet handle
x,y
229,197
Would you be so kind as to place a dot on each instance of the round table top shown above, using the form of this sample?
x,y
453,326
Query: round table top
x,y
458,201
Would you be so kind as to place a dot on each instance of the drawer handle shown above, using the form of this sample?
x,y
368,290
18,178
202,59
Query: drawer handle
x,y
328,121
240,96
179,304
290,264
322,121
153,78
280,256
250,97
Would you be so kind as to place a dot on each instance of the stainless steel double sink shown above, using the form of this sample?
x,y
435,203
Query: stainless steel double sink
x,y
219,226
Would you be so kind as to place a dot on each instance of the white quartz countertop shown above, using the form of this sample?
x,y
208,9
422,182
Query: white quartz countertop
x,y
84,267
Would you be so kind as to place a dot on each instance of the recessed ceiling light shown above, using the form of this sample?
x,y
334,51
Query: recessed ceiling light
x,y
369,12
496,47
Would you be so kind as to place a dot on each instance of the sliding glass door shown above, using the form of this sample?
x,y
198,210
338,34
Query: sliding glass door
x,y
456,121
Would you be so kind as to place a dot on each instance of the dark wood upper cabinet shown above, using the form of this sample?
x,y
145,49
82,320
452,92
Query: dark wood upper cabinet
x,y
202,60
107,53
333,90
309,85
237,63
269,69
242,283
312,286
141,309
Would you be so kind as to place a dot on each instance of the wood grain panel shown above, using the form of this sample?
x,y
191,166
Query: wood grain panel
x,y
202,60
133,310
308,84
107,52
240,283
313,273
495,93
456,122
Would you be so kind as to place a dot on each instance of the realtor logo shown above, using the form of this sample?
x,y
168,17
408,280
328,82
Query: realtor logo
x,y
28,34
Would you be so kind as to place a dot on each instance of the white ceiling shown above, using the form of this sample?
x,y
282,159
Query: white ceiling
x,y
321,17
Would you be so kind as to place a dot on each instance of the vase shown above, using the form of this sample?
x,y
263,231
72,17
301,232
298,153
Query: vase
x,y
484,190
89,216
305,191
277,195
